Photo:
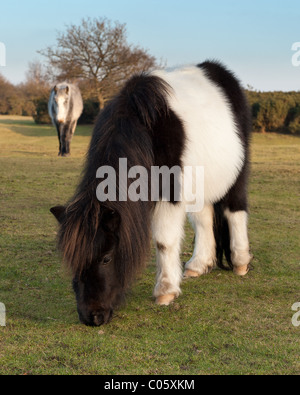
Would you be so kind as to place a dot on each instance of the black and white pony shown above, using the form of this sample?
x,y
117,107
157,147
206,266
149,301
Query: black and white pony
x,y
65,108
196,116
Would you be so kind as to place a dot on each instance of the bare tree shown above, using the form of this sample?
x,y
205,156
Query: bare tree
x,y
37,73
38,81
98,53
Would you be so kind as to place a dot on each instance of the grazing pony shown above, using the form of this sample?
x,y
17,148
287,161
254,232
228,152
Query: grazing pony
x,y
196,116
65,107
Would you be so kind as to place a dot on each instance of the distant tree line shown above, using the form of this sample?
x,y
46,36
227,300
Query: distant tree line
x,y
97,57
272,111
275,111
23,99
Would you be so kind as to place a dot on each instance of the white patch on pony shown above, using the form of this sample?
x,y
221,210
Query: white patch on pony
x,y
212,142
62,111
239,241
204,257
62,104
168,231
211,132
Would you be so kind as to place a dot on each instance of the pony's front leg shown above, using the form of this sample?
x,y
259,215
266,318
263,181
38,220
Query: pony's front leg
x,y
168,231
58,135
204,257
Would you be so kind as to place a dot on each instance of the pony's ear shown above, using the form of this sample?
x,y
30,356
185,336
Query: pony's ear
x,y
67,90
58,212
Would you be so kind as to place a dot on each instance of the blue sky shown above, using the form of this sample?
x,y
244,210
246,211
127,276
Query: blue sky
x,y
253,37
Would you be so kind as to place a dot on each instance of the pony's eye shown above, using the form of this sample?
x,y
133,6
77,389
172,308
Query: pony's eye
x,y
106,260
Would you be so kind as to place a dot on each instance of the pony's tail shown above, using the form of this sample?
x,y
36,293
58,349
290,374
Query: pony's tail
x,y
222,237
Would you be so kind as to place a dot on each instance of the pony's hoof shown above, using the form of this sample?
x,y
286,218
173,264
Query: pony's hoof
x,y
165,300
241,270
190,274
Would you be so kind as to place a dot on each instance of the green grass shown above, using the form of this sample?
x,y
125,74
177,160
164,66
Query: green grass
x,y
221,324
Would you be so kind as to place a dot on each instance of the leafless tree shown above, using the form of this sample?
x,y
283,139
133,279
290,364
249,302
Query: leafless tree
x,y
97,53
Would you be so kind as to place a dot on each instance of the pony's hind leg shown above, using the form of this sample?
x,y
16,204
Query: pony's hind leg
x,y
168,231
204,257
239,241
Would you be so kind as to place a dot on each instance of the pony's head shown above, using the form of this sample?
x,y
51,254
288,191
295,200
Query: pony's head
x,y
104,254
90,248
61,102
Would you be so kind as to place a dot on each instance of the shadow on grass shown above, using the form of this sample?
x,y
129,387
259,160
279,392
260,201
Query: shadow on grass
x,y
24,122
48,131
285,133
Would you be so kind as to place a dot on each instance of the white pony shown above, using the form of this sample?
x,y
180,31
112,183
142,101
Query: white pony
x,y
65,107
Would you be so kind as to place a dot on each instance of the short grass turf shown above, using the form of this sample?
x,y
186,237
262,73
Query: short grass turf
x,y
221,324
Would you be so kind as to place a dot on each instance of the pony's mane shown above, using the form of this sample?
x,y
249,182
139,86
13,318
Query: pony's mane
x,y
124,129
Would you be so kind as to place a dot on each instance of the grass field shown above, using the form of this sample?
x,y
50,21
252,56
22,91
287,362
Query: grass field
x,y
222,324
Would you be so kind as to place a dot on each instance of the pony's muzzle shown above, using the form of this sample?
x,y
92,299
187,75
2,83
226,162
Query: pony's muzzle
x,y
97,318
